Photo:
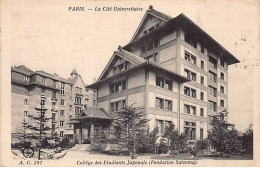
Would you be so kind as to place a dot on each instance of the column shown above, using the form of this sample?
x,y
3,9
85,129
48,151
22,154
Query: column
x,y
80,135
91,133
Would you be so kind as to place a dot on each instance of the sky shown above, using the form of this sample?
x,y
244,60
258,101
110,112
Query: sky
x,y
44,35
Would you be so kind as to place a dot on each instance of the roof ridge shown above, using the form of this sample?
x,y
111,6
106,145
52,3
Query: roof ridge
x,y
159,12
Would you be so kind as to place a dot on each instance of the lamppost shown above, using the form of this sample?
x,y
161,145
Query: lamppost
x,y
134,155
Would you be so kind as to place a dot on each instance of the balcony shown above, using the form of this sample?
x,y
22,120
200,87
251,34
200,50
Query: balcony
x,y
79,94
43,96
54,110
78,104
54,99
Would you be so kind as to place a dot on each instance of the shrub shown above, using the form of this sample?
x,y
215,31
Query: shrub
x,y
202,145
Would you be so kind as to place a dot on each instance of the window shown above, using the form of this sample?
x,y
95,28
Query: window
x,y
43,80
193,109
186,91
201,112
150,46
42,102
186,109
190,130
54,95
159,124
112,107
27,78
123,103
193,60
201,96
202,80
187,73
222,63
118,86
61,134
42,91
212,62
212,91
212,106
189,57
53,128
159,82
78,90
54,83
163,83
78,100
189,92
202,49
168,84
123,85
117,106
77,110
53,117
202,64
222,103
193,93
159,103
168,105
212,76
62,89
190,40
201,134
61,123
70,107
222,89
155,57
53,105
62,113
62,102
25,101
222,76
193,76
25,113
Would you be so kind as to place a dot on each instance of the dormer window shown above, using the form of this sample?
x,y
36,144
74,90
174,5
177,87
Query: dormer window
x,y
27,78
150,46
121,67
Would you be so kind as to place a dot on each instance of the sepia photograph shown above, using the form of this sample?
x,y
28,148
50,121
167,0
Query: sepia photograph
x,y
120,83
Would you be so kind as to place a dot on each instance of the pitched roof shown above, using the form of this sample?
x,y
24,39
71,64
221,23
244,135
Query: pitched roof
x,y
134,59
43,73
93,113
182,21
23,69
74,71
154,13
130,56
145,65
159,14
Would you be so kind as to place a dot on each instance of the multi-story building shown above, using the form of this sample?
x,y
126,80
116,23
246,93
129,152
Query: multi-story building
x,y
63,98
154,70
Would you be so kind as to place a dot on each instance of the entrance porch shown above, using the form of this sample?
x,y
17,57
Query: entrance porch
x,y
90,122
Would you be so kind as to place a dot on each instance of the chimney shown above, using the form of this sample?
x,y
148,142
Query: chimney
x,y
119,48
151,7
56,75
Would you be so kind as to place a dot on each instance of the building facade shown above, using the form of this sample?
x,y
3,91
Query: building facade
x,y
63,99
179,47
